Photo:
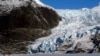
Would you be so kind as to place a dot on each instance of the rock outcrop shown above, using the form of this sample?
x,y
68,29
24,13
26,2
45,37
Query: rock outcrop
x,y
24,20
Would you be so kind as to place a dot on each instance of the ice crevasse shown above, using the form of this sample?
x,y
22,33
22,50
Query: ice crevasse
x,y
78,31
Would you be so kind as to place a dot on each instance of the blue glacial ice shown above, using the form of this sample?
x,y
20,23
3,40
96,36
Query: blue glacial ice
x,y
75,29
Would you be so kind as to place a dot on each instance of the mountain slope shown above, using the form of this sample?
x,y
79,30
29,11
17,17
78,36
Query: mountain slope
x,y
23,21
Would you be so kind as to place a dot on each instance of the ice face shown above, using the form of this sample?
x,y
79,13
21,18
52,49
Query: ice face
x,y
74,32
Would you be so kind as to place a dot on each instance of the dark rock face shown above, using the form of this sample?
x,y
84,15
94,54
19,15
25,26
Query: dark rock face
x,y
29,18
23,24
27,34
96,41
40,17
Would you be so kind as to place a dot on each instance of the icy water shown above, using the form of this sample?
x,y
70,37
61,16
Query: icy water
x,y
74,31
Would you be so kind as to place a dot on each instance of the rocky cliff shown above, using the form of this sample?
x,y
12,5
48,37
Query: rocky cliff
x,y
23,21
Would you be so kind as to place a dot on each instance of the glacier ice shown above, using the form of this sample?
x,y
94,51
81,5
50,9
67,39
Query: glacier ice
x,y
75,30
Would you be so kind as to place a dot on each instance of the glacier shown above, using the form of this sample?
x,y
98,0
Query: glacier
x,y
75,31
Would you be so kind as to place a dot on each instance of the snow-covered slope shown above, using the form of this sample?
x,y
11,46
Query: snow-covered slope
x,y
73,34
